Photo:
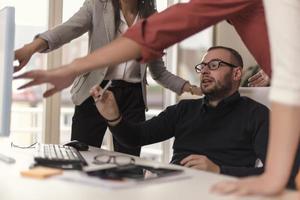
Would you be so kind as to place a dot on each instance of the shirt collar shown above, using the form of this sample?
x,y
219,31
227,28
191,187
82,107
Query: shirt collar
x,y
123,20
227,101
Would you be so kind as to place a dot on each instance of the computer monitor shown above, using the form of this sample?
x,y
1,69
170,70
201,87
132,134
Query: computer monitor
x,y
7,36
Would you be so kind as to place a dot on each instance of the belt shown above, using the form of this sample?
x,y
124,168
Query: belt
x,y
120,83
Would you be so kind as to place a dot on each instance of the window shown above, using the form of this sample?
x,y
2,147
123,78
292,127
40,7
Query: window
x,y
26,117
156,101
28,105
75,49
190,53
154,90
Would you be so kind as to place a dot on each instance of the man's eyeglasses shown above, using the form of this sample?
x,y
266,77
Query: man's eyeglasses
x,y
113,159
212,65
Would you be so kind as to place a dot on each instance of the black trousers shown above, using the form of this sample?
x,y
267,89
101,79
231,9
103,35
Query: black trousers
x,y
89,126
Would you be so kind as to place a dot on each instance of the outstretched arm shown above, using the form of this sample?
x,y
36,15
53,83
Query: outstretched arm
x,y
166,28
198,15
52,39
63,76
24,54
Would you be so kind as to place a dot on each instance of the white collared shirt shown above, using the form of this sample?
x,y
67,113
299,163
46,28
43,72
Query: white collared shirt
x,y
128,71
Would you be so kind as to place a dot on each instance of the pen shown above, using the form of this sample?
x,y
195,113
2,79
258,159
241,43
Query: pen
x,y
99,97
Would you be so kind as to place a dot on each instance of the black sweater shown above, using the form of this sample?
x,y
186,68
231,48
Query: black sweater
x,y
232,135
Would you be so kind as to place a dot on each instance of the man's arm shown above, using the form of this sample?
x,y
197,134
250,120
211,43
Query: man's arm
x,y
143,133
241,171
259,126
154,130
260,117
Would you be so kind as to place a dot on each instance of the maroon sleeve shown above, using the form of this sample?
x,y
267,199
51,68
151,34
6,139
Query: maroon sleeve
x,y
182,20
252,28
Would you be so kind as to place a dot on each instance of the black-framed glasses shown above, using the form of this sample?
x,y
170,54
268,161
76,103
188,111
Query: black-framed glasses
x,y
113,159
212,65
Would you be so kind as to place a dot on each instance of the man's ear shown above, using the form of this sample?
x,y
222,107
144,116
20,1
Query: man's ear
x,y
237,73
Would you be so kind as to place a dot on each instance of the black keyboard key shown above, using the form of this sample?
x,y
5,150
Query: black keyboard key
x,y
55,155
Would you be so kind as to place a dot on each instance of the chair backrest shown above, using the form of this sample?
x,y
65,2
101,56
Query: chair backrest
x,y
259,94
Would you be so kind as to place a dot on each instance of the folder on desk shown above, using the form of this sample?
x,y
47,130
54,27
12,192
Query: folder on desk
x,y
125,177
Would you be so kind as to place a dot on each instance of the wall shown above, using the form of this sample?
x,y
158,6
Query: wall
x,y
227,36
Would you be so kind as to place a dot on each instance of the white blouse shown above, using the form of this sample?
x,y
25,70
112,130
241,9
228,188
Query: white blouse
x,y
128,71
284,30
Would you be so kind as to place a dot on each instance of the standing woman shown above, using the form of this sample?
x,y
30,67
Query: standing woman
x,y
106,20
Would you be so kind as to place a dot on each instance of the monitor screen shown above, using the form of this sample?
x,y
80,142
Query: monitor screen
x,y
7,29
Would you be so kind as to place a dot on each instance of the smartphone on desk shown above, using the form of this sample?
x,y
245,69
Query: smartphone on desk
x,y
133,172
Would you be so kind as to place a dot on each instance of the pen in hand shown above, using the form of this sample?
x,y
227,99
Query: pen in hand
x,y
99,97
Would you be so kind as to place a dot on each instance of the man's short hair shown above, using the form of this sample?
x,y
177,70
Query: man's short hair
x,y
237,58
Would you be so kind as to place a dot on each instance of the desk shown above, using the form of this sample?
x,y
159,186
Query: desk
x,y
13,186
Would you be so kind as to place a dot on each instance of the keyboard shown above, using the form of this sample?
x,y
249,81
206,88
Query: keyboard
x,y
59,156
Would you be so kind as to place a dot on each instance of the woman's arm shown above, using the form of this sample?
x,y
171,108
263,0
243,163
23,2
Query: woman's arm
x,y
73,28
169,80
124,49
52,39
62,77
24,54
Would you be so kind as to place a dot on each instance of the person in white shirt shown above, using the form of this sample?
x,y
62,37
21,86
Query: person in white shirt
x,y
284,144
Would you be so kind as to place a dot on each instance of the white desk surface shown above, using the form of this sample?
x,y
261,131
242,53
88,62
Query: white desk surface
x,y
197,186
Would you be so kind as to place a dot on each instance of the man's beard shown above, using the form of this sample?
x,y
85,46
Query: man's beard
x,y
218,90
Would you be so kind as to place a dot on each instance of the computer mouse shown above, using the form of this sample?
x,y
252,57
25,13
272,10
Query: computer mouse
x,y
79,146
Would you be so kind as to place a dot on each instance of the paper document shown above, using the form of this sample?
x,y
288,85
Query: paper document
x,y
108,179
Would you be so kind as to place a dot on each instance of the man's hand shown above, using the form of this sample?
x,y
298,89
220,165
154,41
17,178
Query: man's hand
x,y
260,79
106,104
200,162
58,78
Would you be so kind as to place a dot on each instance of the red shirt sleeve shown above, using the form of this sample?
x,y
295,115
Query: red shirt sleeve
x,y
182,20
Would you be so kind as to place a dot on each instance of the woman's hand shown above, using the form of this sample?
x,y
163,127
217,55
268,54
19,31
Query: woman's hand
x,y
194,90
260,79
24,54
58,78
256,185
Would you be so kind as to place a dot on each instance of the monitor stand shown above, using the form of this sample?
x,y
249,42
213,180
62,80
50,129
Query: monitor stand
x,y
7,159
